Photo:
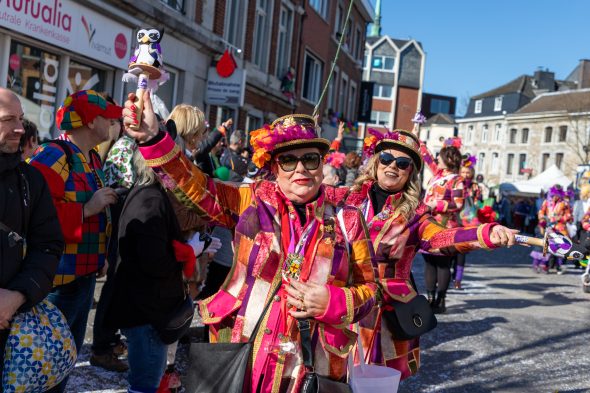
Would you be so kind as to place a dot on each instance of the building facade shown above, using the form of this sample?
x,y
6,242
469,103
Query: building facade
x,y
396,67
323,25
49,53
520,129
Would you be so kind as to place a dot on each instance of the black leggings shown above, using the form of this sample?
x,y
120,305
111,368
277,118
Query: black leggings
x,y
437,270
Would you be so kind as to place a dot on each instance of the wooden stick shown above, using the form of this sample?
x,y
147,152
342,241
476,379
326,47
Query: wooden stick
x,y
531,241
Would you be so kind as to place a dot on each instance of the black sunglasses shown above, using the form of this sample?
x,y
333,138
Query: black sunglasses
x,y
402,163
310,161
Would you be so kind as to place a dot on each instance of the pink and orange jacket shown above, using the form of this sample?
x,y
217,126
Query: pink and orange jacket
x,y
396,242
446,189
260,215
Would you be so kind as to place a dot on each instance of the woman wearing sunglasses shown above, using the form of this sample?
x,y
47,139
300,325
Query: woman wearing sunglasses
x,y
287,236
388,194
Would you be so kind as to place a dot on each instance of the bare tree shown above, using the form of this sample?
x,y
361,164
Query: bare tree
x,y
576,108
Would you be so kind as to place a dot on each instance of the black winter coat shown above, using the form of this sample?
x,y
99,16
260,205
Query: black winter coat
x,y
37,222
202,158
148,282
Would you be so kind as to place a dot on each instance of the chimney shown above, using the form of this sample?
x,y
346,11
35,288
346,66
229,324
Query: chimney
x,y
584,74
544,80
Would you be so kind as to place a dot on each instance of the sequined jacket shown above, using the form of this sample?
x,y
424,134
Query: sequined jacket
x,y
555,215
446,189
260,214
396,241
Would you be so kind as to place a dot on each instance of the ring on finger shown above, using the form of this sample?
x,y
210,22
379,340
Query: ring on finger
x,y
301,297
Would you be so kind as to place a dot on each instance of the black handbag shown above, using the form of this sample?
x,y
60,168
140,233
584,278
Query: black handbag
x,y
178,323
410,320
312,382
222,367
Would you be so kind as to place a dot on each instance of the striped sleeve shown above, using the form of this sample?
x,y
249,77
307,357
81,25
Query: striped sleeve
x,y
437,239
217,201
428,157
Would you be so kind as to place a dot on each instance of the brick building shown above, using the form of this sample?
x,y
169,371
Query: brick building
x,y
281,37
397,69
266,38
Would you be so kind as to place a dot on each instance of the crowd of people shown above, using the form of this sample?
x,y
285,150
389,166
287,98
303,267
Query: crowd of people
x,y
277,229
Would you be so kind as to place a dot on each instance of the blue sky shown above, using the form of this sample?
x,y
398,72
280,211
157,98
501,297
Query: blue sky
x,y
474,45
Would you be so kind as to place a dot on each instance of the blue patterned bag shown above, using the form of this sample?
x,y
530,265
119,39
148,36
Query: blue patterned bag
x,y
40,351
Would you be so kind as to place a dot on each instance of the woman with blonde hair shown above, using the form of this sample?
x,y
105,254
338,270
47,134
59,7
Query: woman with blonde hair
x,y
292,268
193,136
400,224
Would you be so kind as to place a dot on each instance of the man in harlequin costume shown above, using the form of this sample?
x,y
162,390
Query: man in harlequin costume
x,y
73,171
555,214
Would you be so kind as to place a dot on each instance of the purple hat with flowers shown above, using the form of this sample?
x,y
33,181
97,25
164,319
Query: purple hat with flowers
x,y
397,139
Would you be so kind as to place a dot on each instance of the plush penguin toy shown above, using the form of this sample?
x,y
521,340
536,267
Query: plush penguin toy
x,y
148,50
147,58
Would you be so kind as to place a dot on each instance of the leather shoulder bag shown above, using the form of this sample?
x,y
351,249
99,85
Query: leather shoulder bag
x,y
222,367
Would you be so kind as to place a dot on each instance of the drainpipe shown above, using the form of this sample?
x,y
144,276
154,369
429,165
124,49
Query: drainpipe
x,y
299,79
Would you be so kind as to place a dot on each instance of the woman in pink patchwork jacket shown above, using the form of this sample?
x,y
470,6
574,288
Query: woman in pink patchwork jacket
x,y
286,234
400,225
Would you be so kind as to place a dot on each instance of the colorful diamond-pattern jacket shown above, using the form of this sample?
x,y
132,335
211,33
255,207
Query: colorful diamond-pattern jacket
x,y
85,237
261,217
396,242
446,189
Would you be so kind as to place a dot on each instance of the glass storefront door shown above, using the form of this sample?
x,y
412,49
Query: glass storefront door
x,y
33,76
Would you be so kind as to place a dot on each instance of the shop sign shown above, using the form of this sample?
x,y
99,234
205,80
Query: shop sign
x,y
68,25
228,91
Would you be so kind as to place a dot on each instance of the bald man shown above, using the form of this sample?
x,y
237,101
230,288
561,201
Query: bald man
x,y
31,242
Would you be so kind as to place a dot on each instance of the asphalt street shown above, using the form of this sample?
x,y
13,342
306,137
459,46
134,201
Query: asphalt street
x,y
510,330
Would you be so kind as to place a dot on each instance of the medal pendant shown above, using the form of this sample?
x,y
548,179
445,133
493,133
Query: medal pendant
x,y
293,265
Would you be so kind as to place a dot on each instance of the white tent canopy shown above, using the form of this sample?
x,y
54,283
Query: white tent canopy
x,y
542,182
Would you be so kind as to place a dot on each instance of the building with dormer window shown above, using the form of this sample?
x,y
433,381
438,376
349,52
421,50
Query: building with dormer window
x,y
523,127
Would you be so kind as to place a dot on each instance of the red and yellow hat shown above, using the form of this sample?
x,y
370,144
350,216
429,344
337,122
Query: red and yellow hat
x,y
83,107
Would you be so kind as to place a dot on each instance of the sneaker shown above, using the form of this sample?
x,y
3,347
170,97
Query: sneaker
x,y
109,362
559,271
